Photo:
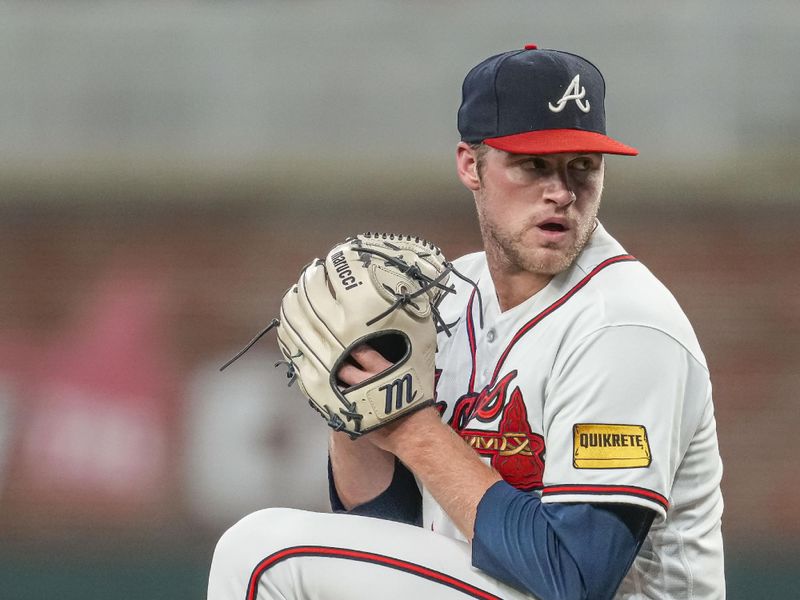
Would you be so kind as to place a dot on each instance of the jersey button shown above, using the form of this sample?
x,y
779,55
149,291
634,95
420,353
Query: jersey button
x,y
490,335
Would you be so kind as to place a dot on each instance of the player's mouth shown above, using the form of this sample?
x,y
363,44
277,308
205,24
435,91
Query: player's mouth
x,y
553,228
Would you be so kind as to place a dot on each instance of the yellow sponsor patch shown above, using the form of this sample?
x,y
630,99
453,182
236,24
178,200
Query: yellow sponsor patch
x,y
604,446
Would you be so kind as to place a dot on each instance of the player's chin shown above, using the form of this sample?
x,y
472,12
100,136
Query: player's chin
x,y
550,261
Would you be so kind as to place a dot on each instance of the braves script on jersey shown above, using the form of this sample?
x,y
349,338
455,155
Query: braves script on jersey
x,y
593,390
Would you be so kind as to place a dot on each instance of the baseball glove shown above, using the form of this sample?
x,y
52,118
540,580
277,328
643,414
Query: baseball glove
x,y
377,289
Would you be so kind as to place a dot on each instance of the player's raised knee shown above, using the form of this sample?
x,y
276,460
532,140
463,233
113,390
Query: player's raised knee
x,y
258,533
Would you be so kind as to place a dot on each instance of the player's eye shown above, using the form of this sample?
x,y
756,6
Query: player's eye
x,y
581,164
584,163
534,164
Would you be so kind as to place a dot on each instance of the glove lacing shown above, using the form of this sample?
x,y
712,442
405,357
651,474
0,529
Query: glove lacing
x,y
426,284
415,273
274,323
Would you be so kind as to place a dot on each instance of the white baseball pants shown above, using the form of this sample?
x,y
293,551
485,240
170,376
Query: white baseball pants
x,y
293,554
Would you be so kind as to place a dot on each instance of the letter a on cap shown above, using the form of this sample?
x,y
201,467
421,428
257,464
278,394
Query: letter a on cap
x,y
573,92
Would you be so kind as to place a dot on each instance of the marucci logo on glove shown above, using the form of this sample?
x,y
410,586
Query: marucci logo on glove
x,y
604,446
395,392
344,271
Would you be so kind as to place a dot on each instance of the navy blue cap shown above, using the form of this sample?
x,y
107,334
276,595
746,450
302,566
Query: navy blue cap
x,y
536,101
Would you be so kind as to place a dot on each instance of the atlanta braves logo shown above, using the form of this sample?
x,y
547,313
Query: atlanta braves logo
x,y
484,406
516,452
573,92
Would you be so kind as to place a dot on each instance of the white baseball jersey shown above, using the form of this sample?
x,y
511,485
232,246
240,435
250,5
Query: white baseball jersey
x,y
593,390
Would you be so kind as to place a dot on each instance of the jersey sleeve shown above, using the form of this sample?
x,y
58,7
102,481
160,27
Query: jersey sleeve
x,y
401,501
621,407
556,550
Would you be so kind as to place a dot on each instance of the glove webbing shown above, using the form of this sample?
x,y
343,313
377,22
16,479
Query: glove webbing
x,y
415,273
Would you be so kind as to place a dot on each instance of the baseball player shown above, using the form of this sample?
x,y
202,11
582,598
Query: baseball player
x,y
572,450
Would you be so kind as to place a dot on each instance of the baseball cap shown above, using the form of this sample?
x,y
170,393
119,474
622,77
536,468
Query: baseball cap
x,y
537,101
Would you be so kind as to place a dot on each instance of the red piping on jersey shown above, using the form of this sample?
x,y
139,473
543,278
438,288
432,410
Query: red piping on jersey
x,y
472,343
555,305
370,557
628,490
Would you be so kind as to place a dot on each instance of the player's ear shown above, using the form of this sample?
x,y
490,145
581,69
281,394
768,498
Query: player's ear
x,y
467,166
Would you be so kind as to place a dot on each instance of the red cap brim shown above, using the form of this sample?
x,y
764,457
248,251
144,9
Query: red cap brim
x,y
556,141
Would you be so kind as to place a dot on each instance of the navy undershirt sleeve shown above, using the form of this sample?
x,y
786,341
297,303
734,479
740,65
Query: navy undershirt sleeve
x,y
401,501
580,551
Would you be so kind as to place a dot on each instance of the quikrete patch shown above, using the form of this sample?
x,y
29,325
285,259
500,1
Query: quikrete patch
x,y
604,446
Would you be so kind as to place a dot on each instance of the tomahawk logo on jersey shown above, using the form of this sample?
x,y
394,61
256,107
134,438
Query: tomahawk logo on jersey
x,y
513,448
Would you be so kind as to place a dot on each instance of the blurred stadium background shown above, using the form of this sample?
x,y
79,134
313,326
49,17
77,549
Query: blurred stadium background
x,y
167,167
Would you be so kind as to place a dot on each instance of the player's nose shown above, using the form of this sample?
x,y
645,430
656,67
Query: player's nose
x,y
559,191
